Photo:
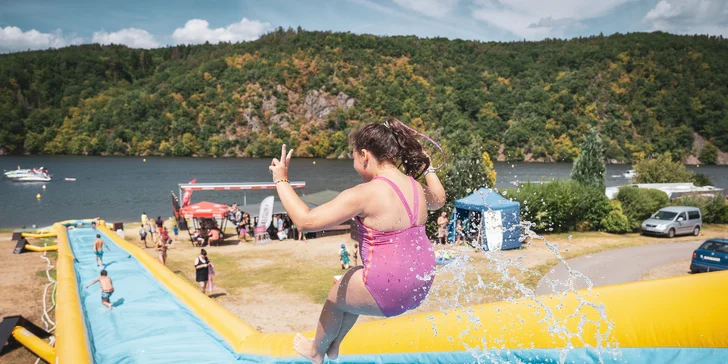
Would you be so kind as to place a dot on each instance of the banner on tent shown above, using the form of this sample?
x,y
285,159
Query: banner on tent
x,y
493,229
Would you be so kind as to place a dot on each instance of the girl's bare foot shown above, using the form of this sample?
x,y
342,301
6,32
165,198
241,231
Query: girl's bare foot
x,y
305,348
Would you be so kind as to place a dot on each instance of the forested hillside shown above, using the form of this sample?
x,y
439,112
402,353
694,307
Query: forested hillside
x,y
646,93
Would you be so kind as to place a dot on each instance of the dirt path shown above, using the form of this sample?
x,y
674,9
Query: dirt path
x,y
21,284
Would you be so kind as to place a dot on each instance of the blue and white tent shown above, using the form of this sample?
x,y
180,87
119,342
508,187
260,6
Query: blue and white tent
x,y
498,218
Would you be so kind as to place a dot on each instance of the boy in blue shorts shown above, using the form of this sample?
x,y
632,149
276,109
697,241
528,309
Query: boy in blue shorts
x,y
99,250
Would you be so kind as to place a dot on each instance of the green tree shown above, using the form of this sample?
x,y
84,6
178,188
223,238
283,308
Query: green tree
x,y
589,167
700,180
662,169
489,168
464,175
709,154
640,203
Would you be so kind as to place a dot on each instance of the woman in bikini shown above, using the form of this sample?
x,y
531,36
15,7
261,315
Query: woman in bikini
x,y
390,209
162,251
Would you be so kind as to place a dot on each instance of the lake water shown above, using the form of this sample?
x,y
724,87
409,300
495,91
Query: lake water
x,y
121,188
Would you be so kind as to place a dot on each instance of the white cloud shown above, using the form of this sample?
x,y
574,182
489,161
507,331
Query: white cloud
x,y
13,39
690,16
550,22
537,19
131,37
199,31
432,8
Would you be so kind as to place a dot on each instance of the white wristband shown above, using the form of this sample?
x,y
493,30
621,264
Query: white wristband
x,y
429,170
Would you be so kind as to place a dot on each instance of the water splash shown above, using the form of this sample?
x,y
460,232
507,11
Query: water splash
x,y
505,284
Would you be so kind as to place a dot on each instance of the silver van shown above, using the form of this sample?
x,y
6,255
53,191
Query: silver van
x,y
674,220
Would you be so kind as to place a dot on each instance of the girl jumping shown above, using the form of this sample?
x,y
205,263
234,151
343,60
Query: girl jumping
x,y
390,210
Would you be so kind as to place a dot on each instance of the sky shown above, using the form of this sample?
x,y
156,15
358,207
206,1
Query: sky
x,y
42,24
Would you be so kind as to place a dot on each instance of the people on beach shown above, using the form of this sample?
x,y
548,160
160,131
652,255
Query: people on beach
x,y
442,228
153,230
164,236
282,233
390,209
99,250
243,227
175,230
355,254
160,224
215,236
143,235
162,251
344,257
145,220
202,273
107,288
459,232
197,238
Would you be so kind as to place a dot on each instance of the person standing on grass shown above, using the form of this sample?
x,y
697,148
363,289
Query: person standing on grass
x,y
390,209
442,228
344,257
355,254
202,273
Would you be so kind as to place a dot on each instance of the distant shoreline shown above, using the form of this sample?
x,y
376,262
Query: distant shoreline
x,y
610,162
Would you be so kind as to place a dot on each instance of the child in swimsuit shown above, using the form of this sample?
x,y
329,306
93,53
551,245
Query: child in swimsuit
x,y
99,250
355,254
344,257
390,209
107,288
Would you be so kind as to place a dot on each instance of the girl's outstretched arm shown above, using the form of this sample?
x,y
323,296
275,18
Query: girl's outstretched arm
x,y
344,207
335,212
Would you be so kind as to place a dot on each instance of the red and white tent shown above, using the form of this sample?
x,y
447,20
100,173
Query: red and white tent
x,y
204,210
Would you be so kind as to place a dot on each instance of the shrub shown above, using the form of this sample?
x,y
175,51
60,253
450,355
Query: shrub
x,y
713,209
700,179
661,170
709,154
561,205
616,223
640,203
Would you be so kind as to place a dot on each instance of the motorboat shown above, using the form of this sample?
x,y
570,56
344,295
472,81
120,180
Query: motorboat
x,y
38,177
29,175
70,179
17,172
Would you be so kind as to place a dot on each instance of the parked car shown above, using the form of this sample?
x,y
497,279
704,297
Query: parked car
x,y
674,220
712,255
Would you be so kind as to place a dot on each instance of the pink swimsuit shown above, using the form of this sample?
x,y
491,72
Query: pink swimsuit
x,y
399,265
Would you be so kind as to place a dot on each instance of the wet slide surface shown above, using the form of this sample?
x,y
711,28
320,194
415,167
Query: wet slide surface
x,y
147,324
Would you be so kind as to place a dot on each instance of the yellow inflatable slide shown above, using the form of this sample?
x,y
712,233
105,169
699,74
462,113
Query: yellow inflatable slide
x,y
159,317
